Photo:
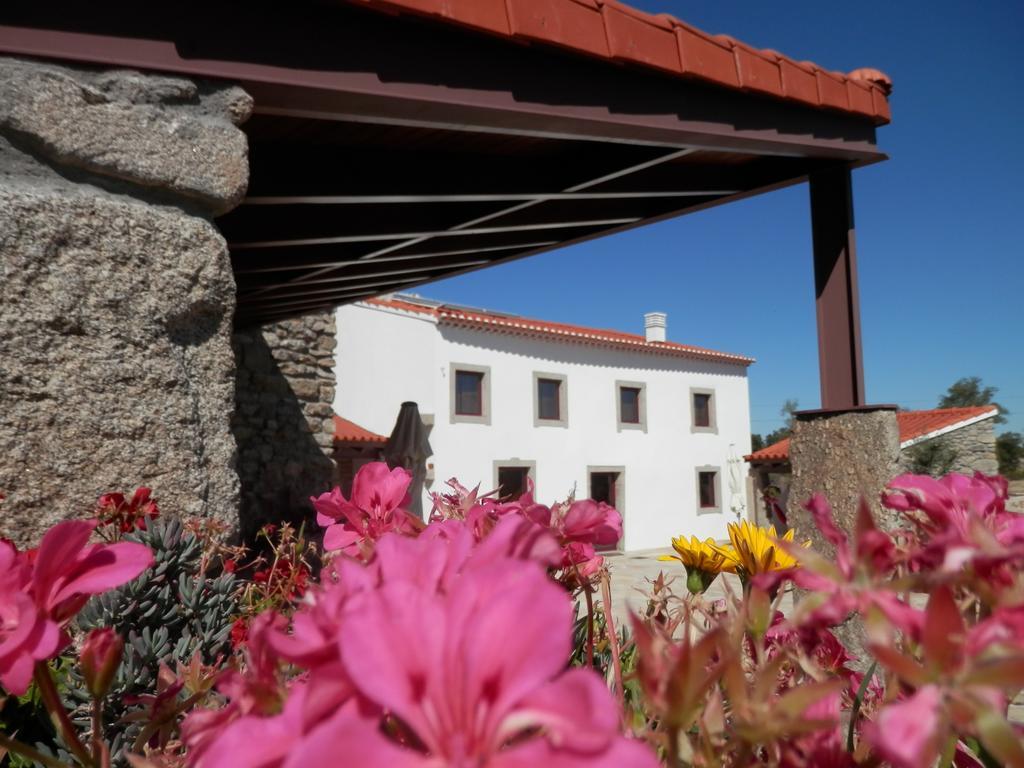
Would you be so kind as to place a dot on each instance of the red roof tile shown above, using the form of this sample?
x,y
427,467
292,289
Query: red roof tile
x,y
522,326
610,29
346,431
914,426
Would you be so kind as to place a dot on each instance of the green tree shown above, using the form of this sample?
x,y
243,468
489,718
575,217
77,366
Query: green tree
x,y
969,391
788,413
1010,453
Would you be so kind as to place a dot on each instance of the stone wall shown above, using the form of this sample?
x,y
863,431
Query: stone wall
x,y
284,417
116,368
972,448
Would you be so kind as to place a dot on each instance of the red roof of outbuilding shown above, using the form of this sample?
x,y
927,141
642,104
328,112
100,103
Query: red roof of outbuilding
x,y
914,426
611,30
346,431
522,326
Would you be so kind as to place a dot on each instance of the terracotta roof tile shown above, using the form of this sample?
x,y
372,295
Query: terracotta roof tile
x,y
640,37
522,326
346,431
573,24
913,425
608,28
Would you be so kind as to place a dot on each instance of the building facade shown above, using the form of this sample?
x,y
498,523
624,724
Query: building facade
x,y
645,424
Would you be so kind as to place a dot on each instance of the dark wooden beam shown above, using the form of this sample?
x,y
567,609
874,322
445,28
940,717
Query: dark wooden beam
x,y
347,63
835,281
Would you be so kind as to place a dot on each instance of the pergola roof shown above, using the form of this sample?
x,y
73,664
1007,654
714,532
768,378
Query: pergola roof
x,y
392,149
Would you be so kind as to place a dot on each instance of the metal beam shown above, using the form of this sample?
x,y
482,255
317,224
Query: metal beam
x,y
835,282
246,269
414,237
334,298
463,228
469,198
423,271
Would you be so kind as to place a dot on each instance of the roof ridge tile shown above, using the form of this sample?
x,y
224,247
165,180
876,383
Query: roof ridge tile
x,y
610,29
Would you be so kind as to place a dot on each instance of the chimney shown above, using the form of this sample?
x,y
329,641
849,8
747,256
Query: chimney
x,y
654,326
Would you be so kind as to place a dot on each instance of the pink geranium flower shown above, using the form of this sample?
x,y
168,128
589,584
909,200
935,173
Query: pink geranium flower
x,y
68,570
906,733
440,651
26,635
41,590
961,520
376,507
475,675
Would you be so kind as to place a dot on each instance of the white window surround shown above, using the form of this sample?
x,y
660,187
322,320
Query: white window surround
x,y
712,427
625,425
485,394
717,509
563,400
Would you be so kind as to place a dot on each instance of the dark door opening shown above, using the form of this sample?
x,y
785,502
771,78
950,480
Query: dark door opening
x,y
602,486
606,487
512,482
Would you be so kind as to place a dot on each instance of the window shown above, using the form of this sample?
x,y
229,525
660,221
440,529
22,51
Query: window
x,y
550,408
708,492
702,407
631,405
470,393
512,478
629,398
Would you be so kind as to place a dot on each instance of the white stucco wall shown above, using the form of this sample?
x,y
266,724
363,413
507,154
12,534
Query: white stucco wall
x,y
385,358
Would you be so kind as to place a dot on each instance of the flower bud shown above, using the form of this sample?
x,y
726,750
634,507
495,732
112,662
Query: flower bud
x,y
101,656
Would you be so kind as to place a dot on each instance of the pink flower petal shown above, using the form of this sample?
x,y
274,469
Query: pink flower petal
x,y
907,733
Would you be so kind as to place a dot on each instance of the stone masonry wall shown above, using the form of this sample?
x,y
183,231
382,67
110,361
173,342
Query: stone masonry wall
x,y
116,368
284,417
973,448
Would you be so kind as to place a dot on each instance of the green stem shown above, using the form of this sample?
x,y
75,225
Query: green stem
x,y
13,745
857,701
606,595
100,755
51,699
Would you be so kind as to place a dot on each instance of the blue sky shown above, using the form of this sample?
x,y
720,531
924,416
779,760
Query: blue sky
x,y
938,226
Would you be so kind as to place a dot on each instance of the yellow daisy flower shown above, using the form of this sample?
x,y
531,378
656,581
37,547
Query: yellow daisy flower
x,y
754,549
702,559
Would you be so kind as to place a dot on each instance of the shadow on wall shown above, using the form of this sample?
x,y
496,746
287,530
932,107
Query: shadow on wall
x,y
283,420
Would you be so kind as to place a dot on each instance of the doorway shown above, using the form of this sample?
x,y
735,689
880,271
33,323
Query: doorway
x,y
608,484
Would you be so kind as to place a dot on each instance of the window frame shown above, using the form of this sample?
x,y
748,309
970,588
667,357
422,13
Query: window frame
x,y
563,400
717,508
485,394
712,428
640,425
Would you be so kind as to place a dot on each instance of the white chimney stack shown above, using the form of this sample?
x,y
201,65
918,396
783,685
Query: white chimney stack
x,y
654,326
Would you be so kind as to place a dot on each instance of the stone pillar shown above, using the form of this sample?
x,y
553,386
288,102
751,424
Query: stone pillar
x,y
843,454
284,419
116,368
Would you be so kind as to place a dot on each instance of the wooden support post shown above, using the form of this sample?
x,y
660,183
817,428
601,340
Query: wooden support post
x,y
835,281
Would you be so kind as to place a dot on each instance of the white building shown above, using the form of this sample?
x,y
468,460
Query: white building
x,y
646,424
